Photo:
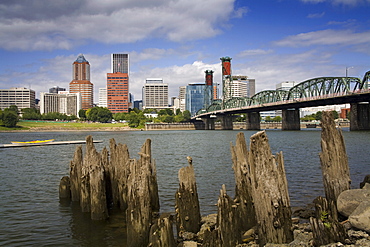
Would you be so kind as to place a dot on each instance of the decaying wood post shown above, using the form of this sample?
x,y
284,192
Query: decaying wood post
x,y
161,232
325,226
187,204
141,205
243,187
334,160
228,224
75,174
149,164
269,192
118,173
65,188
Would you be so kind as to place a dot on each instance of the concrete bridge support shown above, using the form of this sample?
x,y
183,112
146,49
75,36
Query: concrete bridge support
x,y
226,122
291,120
253,121
209,123
360,116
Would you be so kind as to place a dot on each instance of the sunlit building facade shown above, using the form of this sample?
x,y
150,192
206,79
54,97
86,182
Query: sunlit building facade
x,y
81,82
21,97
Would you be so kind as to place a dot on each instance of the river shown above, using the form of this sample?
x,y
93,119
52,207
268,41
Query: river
x,y
31,214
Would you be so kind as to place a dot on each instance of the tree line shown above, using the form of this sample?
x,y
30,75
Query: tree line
x,y
135,118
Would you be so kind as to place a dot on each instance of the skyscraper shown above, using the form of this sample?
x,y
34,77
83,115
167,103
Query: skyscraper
x,y
155,94
195,97
81,82
117,92
118,84
119,63
242,86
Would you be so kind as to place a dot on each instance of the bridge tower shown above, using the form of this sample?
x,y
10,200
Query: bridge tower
x,y
208,89
226,79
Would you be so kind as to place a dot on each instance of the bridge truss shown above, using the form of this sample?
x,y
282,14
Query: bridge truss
x,y
309,89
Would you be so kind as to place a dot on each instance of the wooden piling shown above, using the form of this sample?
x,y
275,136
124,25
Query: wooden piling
x,y
334,160
228,222
325,226
187,204
243,188
75,174
65,188
269,190
141,203
161,232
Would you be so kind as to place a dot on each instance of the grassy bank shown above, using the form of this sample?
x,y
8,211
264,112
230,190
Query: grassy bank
x,y
60,126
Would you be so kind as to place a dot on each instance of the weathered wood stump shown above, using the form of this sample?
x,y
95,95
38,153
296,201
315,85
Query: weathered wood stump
x,y
325,226
161,232
75,174
228,220
141,203
243,188
187,204
118,173
65,188
269,189
334,160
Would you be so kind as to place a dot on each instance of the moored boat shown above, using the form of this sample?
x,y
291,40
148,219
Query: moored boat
x,y
34,141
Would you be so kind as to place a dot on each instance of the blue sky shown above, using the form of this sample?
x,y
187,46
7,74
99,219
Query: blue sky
x,y
270,41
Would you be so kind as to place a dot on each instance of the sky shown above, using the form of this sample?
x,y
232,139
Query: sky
x,y
270,41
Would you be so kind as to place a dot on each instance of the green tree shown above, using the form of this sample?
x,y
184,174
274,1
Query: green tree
x,y
82,114
276,119
31,114
318,115
9,118
99,114
335,114
13,108
187,115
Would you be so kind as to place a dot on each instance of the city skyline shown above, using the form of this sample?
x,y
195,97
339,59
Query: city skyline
x,y
270,41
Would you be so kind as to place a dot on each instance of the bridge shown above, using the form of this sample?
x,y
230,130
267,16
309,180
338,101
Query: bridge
x,y
310,93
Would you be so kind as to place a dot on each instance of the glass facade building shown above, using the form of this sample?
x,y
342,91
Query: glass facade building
x,y
195,97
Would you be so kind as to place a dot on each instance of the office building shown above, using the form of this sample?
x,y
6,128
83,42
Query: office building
x,y
242,86
119,63
155,94
195,97
81,82
63,102
118,98
103,97
56,89
182,98
21,97
117,92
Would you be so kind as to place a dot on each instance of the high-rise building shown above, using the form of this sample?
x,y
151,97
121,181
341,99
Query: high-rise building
x,y
182,98
81,82
63,102
242,86
118,99
117,92
21,97
195,97
119,63
56,89
103,97
155,94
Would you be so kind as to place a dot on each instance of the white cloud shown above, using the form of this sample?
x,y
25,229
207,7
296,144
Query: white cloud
x,y
255,52
326,37
338,2
316,15
34,25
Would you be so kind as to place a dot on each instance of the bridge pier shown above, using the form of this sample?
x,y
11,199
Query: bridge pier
x,y
360,116
290,119
209,123
226,122
253,121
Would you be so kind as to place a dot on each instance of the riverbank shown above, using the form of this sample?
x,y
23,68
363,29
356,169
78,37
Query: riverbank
x,y
38,126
